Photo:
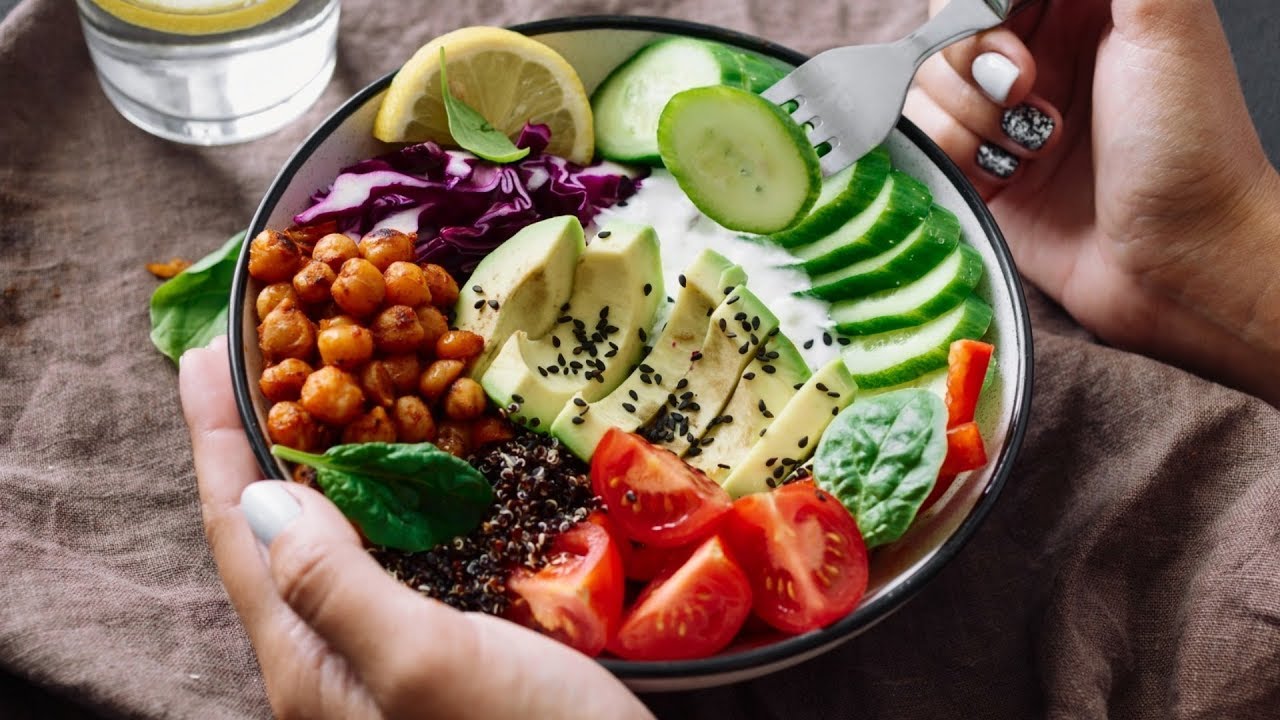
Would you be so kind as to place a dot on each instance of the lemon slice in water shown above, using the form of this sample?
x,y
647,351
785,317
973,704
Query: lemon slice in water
x,y
196,17
508,78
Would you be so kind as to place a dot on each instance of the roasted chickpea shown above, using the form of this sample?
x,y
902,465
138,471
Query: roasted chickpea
x,y
345,346
283,381
289,424
313,281
434,324
286,332
413,420
438,376
335,249
404,371
373,426
491,429
385,246
273,257
444,289
336,321
397,330
454,438
272,295
465,400
376,383
332,396
359,288
459,345
406,284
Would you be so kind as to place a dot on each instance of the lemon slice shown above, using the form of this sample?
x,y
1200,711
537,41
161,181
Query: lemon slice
x,y
507,77
196,17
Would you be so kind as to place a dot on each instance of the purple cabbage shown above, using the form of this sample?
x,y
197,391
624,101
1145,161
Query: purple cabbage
x,y
463,207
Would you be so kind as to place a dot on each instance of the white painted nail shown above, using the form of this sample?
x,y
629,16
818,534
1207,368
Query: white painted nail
x,y
995,74
269,508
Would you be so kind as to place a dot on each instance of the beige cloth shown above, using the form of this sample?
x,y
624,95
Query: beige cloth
x,y
1132,568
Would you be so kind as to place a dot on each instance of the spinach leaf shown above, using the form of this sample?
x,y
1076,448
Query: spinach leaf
x,y
403,496
190,309
881,457
471,131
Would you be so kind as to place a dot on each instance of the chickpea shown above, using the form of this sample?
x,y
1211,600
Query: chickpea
x,y
313,281
335,249
434,324
345,346
413,420
465,400
491,429
336,321
397,330
459,345
385,246
438,376
444,289
373,426
273,257
406,284
272,295
359,288
375,381
404,371
454,438
286,332
289,424
283,381
333,396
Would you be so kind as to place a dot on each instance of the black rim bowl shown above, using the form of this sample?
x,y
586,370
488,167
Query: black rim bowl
x,y
744,661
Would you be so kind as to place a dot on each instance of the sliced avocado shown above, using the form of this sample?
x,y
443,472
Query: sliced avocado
x,y
707,282
787,443
595,341
738,330
520,285
765,387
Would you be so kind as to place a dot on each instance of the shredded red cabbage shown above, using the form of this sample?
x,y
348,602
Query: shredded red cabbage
x,y
463,207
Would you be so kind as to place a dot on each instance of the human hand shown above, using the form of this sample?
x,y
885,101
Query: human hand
x,y
1150,211
336,637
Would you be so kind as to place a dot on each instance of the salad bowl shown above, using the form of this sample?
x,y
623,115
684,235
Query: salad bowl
x,y
594,46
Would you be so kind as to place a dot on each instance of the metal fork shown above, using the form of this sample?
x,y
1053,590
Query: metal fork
x,y
850,98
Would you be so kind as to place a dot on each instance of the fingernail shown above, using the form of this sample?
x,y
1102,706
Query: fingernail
x,y
997,161
1028,126
995,74
269,508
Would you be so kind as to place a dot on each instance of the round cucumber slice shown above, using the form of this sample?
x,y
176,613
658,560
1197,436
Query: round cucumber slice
x,y
939,290
741,159
902,205
900,356
844,195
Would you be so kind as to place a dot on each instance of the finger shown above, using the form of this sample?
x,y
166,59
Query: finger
x,y
997,61
988,166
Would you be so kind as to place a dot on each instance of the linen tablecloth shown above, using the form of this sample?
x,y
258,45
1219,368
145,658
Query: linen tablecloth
x,y
1131,568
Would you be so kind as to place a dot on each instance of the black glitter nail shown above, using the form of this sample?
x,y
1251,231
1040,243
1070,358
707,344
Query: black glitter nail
x,y
1028,126
996,160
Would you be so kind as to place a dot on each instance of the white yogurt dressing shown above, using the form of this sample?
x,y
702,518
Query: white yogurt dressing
x,y
684,232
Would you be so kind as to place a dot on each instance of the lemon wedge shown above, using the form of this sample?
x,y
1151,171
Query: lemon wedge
x,y
196,17
508,78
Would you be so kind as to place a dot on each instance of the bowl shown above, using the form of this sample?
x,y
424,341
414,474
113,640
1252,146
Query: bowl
x,y
595,45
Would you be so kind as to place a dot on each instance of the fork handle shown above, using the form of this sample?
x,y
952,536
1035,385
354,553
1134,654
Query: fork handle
x,y
958,20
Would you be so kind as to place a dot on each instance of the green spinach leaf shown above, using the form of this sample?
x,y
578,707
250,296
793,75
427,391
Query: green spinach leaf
x,y
471,131
403,496
190,309
881,458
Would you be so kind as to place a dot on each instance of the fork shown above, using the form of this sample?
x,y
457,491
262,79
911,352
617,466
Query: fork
x,y
850,98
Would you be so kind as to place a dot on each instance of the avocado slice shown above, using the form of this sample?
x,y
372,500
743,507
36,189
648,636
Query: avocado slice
x,y
769,382
520,285
789,441
738,330
706,284
596,340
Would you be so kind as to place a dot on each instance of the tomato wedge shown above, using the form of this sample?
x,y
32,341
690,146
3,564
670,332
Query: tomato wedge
x,y
804,554
653,497
645,563
577,597
690,611
967,362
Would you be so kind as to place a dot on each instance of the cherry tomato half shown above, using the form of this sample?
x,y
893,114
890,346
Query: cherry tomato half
x,y
688,612
645,563
653,496
804,554
577,597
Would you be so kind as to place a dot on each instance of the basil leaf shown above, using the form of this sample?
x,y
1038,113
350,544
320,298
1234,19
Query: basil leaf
x,y
404,496
881,457
471,131
190,309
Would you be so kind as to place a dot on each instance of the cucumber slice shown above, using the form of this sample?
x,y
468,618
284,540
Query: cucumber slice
x,y
902,205
939,290
905,262
843,196
741,159
901,356
627,104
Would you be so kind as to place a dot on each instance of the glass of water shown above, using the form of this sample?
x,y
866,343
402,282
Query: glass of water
x,y
211,72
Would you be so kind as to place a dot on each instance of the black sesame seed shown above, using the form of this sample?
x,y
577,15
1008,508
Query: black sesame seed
x,y
648,288
564,319
743,348
628,407
517,398
695,356
542,371
694,451
833,394
604,312
682,281
755,323
645,368
657,378
477,289
826,339
479,304
646,379
493,304
733,299
769,369
722,466
844,341
577,420
804,442
808,344
634,395
644,337
749,376
770,462
564,308
604,234
797,386
723,325
535,422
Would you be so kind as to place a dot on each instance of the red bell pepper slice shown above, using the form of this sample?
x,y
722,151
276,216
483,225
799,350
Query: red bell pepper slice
x,y
967,364
965,452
